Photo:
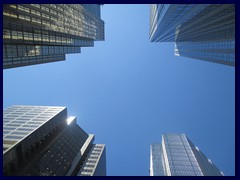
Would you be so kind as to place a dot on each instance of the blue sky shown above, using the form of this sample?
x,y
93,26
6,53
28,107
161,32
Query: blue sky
x,y
128,91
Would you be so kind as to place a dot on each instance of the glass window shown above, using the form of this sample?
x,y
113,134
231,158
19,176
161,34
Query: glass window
x,y
13,137
19,132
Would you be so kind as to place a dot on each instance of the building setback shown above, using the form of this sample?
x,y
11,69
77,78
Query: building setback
x,y
43,141
42,33
200,31
178,156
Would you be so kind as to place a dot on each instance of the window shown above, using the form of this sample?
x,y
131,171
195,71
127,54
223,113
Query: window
x,y
13,137
25,129
6,132
9,125
19,132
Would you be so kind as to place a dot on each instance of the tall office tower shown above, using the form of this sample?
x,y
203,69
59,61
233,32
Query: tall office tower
x,y
42,33
200,31
178,156
43,141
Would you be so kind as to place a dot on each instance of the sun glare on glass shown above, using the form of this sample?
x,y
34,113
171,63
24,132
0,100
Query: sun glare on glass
x,y
70,119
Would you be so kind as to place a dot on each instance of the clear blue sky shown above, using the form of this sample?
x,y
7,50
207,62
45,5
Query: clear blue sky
x,y
128,91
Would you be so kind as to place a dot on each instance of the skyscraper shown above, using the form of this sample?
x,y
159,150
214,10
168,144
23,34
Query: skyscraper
x,y
43,141
200,31
178,156
42,33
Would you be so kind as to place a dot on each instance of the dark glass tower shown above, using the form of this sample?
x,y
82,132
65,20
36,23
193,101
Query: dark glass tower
x,y
200,31
43,141
42,33
178,156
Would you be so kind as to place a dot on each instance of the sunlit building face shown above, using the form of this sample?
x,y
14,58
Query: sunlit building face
x,y
177,156
43,141
41,33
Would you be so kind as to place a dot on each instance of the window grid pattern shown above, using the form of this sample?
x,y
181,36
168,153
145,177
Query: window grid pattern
x,y
44,31
220,52
30,60
49,149
177,156
20,121
157,167
92,160
56,160
65,18
207,166
214,23
11,51
180,157
202,31
169,17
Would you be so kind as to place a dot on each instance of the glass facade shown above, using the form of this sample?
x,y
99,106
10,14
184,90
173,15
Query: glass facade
x,y
95,163
202,31
48,30
40,141
177,156
157,165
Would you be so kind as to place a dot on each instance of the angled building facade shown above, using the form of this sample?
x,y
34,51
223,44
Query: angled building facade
x,y
178,156
95,163
200,31
44,141
42,33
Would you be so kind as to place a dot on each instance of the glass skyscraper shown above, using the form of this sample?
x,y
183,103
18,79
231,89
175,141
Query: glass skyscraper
x,y
44,141
178,156
200,31
42,33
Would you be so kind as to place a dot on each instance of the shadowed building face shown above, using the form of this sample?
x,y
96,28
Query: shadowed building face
x,y
200,31
43,141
